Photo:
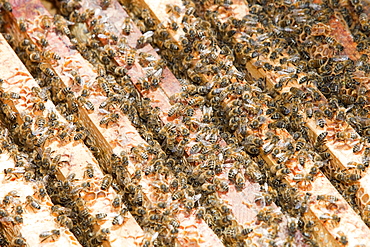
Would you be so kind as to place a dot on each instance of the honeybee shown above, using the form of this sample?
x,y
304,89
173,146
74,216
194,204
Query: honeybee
x,y
239,181
109,51
148,20
59,210
171,45
100,216
364,21
18,219
111,118
29,176
45,21
9,197
197,101
120,71
130,57
53,235
173,23
22,25
348,176
358,147
178,195
334,43
61,25
35,57
222,185
106,182
144,83
173,9
327,198
81,135
175,109
321,137
301,178
145,59
40,122
9,113
64,221
201,211
342,238
19,241
103,83
118,219
101,70
6,6
45,68
40,191
320,121
89,172
345,136
50,55
14,171
355,165
18,209
117,202
86,103
127,27
146,38
104,4
325,217
32,203
139,211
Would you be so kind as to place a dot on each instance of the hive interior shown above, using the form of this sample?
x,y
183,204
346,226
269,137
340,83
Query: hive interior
x,y
248,106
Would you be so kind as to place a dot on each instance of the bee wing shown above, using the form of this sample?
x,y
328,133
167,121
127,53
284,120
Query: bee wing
x,y
148,34
102,36
158,72
155,235
197,197
45,234
19,170
103,111
7,219
70,22
151,58
149,70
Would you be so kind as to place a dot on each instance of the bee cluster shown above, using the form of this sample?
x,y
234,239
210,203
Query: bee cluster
x,y
306,59
15,204
224,127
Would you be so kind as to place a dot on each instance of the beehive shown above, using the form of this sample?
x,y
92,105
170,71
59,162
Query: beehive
x,y
184,123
